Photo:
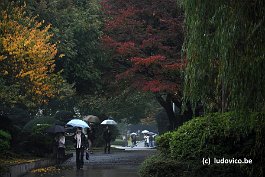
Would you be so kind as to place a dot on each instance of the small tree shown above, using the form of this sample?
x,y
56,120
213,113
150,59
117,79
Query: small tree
x,y
27,58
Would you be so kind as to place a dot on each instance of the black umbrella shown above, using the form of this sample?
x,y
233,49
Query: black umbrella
x,y
56,129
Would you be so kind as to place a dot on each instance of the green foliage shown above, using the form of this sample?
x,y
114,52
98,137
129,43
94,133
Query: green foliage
x,y
159,166
229,135
129,104
64,116
34,123
5,139
212,135
27,58
225,52
163,142
34,138
77,25
218,170
19,116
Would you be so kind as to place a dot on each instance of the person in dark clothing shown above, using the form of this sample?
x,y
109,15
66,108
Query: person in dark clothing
x,y
61,148
107,138
80,146
91,138
133,137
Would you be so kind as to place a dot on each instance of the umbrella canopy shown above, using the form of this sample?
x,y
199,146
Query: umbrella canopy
x,y
151,133
108,122
91,119
78,123
145,131
56,129
133,133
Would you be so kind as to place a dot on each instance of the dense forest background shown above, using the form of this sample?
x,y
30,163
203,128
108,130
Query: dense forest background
x,y
137,61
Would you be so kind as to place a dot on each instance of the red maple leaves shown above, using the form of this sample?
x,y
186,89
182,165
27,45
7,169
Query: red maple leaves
x,y
146,38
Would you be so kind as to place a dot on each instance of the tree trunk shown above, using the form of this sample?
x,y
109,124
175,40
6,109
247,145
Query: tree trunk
x,y
183,116
167,105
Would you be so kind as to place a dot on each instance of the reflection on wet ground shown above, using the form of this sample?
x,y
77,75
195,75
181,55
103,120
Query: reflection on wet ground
x,y
116,164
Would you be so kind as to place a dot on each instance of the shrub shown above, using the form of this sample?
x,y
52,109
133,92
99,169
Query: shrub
x,y
159,166
36,140
163,142
228,135
38,121
5,139
216,135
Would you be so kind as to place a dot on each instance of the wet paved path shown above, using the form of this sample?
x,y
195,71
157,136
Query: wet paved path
x,y
116,164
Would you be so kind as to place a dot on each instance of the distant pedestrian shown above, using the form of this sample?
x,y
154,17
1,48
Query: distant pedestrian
x,y
91,138
151,141
61,148
107,137
80,146
146,140
133,137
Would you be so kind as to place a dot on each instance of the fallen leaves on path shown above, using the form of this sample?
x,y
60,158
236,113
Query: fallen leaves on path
x,y
16,161
46,170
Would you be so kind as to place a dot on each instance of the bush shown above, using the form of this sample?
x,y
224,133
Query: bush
x,y
216,135
38,121
229,135
35,139
5,139
163,142
159,166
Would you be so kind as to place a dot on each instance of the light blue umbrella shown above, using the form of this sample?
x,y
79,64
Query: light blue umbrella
x,y
78,123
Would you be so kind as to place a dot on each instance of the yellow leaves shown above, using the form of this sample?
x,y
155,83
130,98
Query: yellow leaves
x,y
61,55
46,170
2,58
16,161
27,53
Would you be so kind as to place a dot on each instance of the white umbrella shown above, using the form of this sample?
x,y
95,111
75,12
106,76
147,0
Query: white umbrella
x,y
108,122
78,123
145,131
133,133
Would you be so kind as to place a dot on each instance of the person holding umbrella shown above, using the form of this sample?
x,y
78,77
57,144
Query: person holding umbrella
x,y
107,137
58,142
80,146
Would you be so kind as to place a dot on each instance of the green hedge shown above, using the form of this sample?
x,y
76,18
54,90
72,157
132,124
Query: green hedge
x,y
228,135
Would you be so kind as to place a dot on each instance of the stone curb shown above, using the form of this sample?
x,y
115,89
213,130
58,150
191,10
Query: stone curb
x,y
20,169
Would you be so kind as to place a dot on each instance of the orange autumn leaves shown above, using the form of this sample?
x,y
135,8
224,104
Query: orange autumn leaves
x,y
27,56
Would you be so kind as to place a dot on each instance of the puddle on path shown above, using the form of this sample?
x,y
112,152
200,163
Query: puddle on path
x,y
91,171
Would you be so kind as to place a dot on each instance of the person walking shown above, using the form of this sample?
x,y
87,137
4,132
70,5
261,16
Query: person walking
x,y
146,140
80,146
107,137
61,148
133,136
91,138
151,140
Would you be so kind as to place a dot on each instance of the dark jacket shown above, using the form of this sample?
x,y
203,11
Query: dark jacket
x,y
91,134
107,135
84,143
